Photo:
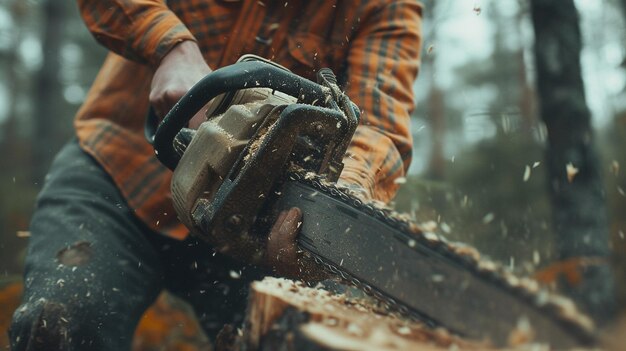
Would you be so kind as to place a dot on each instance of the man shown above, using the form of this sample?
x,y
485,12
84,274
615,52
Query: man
x,y
104,237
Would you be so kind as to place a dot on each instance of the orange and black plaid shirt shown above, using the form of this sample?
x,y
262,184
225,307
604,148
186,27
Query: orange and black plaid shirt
x,y
373,46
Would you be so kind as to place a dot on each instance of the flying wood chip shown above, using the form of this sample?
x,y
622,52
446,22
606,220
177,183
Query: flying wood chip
x,y
571,172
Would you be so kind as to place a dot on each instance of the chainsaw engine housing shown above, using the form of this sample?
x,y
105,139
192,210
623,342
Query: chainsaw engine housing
x,y
218,144
261,121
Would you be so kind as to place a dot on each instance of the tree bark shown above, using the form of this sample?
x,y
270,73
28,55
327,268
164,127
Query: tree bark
x,y
576,188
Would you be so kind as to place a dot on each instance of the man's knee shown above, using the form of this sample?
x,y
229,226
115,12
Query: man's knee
x,y
40,325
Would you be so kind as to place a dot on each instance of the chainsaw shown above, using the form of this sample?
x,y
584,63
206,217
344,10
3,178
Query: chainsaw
x,y
274,140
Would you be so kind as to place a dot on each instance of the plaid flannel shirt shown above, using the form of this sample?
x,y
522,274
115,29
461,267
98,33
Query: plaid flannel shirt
x,y
373,45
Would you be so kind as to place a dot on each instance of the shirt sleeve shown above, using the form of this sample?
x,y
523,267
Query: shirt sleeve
x,y
139,30
382,66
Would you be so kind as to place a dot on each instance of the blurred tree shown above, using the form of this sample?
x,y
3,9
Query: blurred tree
x,y
48,94
15,185
576,188
623,3
527,96
436,100
18,9
512,107
43,84
504,72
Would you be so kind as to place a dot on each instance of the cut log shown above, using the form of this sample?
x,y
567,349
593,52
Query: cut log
x,y
285,315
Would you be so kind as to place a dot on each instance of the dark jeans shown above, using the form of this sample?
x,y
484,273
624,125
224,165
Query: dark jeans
x,y
93,268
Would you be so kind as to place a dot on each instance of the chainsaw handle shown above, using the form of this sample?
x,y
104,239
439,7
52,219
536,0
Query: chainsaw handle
x,y
242,75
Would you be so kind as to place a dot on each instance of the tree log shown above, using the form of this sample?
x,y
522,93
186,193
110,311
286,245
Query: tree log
x,y
285,315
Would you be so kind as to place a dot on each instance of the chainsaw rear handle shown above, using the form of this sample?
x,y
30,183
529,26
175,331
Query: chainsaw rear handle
x,y
238,76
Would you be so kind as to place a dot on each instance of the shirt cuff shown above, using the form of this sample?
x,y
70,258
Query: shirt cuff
x,y
162,30
373,163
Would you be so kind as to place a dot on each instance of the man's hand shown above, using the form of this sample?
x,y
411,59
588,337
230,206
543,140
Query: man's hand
x,y
178,71
282,253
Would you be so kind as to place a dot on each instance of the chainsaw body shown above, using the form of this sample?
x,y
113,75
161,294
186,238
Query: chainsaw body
x,y
226,168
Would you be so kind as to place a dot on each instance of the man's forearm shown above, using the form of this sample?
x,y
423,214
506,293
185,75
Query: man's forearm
x,y
175,74
139,30
382,66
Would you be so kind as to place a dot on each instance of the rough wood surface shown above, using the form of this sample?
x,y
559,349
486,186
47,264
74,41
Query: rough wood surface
x,y
285,315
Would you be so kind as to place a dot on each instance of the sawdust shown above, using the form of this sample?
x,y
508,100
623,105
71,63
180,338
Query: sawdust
x,y
343,323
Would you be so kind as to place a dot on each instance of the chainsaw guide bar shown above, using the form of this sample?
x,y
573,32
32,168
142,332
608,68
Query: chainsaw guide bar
x,y
422,275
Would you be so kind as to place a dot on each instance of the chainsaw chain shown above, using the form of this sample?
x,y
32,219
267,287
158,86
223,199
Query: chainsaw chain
x,y
387,302
556,307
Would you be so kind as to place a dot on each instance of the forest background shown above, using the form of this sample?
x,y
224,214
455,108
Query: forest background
x,y
480,171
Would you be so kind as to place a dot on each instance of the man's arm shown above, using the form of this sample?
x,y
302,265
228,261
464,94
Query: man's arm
x,y
139,30
382,66
147,31
177,72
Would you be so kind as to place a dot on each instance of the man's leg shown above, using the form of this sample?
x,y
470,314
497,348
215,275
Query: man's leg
x,y
215,285
90,270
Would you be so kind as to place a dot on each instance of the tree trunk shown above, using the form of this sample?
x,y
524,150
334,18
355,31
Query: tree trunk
x,y
576,189
10,140
9,130
622,5
436,109
48,90
527,103
284,315
435,104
